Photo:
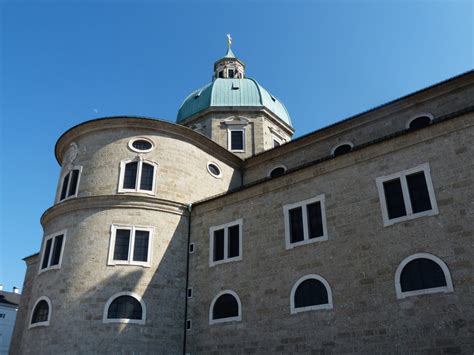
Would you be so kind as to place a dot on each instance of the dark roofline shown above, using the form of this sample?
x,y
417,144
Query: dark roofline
x,y
467,73
329,157
30,256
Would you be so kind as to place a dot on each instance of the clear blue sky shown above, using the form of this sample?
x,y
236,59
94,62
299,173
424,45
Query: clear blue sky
x,y
326,60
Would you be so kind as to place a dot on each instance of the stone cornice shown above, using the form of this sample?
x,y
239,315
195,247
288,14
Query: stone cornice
x,y
113,201
179,131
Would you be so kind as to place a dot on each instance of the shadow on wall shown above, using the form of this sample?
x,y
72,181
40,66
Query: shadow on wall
x,y
77,311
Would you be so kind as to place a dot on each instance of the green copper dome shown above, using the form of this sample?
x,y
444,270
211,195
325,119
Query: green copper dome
x,y
232,93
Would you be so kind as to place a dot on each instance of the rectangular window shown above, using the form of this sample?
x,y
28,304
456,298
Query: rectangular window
x,y
406,195
130,245
236,140
137,176
191,248
305,222
53,251
225,243
70,183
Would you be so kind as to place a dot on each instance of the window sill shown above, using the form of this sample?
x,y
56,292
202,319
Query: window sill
x,y
426,291
125,263
389,222
146,192
124,320
311,308
214,263
306,241
54,267
39,324
225,320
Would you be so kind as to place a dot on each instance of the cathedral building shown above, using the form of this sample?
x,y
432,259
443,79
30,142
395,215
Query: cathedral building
x,y
220,234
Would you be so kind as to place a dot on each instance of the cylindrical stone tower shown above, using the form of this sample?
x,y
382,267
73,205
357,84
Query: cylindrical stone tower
x,y
111,273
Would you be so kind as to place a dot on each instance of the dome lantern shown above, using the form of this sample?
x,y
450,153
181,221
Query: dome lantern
x,y
229,66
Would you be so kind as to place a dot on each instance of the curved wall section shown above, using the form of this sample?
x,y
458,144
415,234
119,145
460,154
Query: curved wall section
x,y
80,288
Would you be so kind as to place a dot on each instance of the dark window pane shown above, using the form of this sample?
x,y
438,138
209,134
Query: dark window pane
x,y
315,220
58,244
309,293
125,307
394,198
122,243
343,149
141,144
64,187
41,312
226,306
276,143
420,122
221,74
233,243
218,245
130,178
47,252
277,172
231,73
214,169
140,249
148,171
236,140
419,196
296,225
420,274
73,184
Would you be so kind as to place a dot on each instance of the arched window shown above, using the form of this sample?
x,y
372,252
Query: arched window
x,y
421,274
277,171
69,183
309,293
225,307
342,148
138,176
125,307
41,313
419,121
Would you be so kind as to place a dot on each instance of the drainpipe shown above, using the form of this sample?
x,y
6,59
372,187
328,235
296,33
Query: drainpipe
x,y
187,279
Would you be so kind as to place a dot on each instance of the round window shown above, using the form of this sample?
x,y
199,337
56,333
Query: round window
x,y
141,145
214,170
342,149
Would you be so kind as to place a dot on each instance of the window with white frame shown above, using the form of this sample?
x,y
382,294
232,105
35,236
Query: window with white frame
x,y
70,183
41,313
138,176
53,248
236,139
310,292
305,222
406,195
125,307
225,307
130,245
421,274
277,141
225,243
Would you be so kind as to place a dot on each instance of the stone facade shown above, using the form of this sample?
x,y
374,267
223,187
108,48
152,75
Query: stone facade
x,y
359,259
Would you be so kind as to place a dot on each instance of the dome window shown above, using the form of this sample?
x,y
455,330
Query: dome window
x,y
231,73
141,145
419,121
342,148
214,170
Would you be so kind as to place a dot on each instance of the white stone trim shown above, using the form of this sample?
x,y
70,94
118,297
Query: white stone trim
x,y
447,275
132,148
61,183
229,139
132,229
418,115
53,237
406,196
140,161
329,305
229,319
211,173
333,149
105,319
50,310
192,248
225,227
276,167
190,290
302,204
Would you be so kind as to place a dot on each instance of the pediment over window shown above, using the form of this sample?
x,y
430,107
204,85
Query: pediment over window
x,y
236,120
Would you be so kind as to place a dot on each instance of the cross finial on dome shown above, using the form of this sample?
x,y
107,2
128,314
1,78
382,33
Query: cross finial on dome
x,y
229,40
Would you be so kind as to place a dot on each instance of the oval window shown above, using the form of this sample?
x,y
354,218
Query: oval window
x,y
214,170
279,171
419,122
141,145
342,149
